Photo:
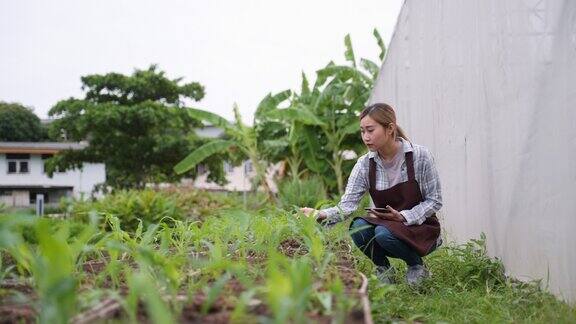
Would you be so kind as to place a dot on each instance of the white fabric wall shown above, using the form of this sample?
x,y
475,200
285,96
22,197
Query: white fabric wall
x,y
490,87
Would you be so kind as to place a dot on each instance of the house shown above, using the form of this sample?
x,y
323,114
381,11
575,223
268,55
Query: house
x,y
22,175
239,177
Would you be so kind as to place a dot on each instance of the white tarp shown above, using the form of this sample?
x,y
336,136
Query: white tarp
x,y
490,87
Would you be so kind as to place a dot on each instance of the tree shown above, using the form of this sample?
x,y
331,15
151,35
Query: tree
x,y
240,138
137,125
19,123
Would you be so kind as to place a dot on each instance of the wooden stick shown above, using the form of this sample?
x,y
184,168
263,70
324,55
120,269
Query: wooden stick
x,y
365,301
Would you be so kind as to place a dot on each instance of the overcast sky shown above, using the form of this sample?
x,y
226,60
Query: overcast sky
x,y
239,50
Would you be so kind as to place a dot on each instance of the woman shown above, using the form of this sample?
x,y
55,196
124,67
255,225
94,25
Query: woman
x,y
404,185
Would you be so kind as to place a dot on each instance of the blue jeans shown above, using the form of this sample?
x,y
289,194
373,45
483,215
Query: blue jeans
x,y
378,243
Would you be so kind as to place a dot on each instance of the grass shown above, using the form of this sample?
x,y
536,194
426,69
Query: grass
x,y
215,256
466,287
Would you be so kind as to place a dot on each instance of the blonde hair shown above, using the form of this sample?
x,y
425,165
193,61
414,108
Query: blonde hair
x,y
384,115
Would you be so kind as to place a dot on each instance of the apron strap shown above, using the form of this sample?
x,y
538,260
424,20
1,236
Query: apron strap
x,y
410,165
372,174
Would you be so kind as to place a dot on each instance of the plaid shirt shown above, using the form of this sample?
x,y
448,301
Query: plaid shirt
x,y
358,184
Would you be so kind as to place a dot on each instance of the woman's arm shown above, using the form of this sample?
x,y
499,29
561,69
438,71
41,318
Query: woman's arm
x,y
429,183
355,189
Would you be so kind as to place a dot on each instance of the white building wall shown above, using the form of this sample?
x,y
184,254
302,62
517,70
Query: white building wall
x,y
82,181
238,178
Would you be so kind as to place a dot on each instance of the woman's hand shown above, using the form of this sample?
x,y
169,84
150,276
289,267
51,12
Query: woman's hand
x,y
392,215
320,216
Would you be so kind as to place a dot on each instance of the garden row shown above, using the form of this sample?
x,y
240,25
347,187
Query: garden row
x,y
178,266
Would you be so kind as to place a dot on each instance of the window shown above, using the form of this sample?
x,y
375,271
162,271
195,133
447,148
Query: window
x,y
248,166
18,163
201,169
24,167
12,167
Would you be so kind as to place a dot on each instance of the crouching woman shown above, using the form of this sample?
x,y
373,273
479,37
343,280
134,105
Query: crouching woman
x,y
403,183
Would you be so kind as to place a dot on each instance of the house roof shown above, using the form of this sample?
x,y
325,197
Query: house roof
x,y
39,147
25,187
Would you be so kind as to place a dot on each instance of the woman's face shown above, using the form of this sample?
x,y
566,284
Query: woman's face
x,y
374,135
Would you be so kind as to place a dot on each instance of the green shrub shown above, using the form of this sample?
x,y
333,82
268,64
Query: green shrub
x,y
197,204
302,192
149,206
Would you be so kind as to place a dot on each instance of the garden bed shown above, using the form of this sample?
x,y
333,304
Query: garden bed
x,y
199,306
235,265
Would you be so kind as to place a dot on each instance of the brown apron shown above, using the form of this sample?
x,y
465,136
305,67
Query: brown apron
x,y
402,196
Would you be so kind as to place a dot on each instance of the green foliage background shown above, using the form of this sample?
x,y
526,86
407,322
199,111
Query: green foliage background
x,y
19,124
137,125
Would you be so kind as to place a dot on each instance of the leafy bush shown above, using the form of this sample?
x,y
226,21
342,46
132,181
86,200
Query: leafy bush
x,y
200,203
302,192
131,207
151,206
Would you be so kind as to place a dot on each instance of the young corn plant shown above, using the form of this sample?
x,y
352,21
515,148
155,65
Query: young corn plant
x,y
51,263
288,287
142,287
212,292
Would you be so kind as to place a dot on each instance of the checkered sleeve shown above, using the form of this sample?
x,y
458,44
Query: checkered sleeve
x,y
355,190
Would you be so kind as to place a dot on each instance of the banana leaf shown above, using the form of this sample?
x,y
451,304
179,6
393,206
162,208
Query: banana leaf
x,y
349,53
201,154
305,87
271,102
370,67
344,73
295,114
380,44
212,118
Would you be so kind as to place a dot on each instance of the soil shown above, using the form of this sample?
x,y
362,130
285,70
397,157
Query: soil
x,y
17,313
12,311
292,247
94,266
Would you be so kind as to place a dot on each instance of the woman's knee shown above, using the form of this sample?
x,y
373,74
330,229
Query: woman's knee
x,y
384,237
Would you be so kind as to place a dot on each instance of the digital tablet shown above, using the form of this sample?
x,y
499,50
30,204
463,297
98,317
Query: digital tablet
x,y
378,209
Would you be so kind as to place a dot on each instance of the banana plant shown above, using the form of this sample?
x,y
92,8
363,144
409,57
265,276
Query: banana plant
x,y
323,121
288,147
239,137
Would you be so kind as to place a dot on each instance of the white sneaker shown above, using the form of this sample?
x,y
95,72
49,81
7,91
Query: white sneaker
x,y
416,274
385,274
